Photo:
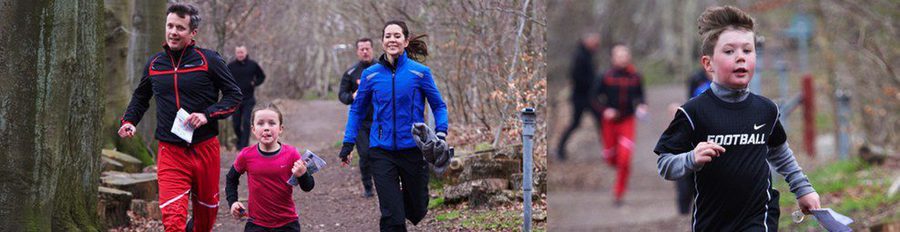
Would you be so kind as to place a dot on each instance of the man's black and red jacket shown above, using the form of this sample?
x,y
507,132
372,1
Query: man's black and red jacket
x,y
190,79
621,89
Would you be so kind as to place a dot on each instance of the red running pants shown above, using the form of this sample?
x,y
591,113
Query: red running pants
x,y
618,141
188,172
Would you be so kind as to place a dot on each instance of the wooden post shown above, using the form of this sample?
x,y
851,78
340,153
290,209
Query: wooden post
x,y
809,116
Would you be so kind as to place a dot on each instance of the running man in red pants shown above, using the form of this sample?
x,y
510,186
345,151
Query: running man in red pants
x,y
621,92
187,77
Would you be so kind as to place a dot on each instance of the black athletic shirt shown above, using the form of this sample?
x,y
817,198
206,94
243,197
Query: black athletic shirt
x,y
734,190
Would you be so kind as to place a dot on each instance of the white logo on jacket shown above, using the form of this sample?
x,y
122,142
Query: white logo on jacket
x,y
421,75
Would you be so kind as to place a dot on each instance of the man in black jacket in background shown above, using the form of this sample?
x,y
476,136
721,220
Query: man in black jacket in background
x,y
349,85
248,75
583,75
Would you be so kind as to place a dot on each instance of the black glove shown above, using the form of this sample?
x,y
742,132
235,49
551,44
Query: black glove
x,y
345,152
441,135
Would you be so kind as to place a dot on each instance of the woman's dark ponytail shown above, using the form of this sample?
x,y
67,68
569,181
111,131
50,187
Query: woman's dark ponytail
x,y
417,48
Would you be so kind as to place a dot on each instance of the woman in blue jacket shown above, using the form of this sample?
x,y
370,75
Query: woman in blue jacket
x,y
397,87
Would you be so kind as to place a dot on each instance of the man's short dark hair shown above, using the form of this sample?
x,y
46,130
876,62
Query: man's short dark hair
x,y
363,39
182,9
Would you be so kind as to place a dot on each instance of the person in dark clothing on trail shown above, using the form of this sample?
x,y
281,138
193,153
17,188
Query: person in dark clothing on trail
x,y
621,93
583,75
697,83
349,86
397,86
185,77
248,76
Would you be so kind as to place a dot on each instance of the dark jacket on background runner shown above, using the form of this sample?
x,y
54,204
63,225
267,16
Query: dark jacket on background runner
x,y
194,86
582,74
349,85
247,74
621,89
698,83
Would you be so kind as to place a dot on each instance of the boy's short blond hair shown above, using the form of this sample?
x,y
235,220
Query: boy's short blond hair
x,y
717,19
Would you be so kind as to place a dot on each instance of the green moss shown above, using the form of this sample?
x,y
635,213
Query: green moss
x,y
435,202
483,146
446,216
135,147
435,184
493,220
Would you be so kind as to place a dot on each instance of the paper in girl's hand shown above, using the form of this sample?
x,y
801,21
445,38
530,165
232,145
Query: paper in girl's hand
x,y
832,221
180,126
313,165
313,162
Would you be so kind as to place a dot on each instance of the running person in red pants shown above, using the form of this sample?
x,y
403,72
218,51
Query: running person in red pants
x,y
621,92
186,77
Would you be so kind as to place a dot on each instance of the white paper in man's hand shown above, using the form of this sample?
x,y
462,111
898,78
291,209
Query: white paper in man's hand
x,y
832,221
180,126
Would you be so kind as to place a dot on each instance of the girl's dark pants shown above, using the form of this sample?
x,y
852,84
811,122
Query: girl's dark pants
x,y
290,227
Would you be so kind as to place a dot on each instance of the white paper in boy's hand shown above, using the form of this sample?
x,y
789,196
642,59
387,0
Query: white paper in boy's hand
x,y
180,128
832,221
313,162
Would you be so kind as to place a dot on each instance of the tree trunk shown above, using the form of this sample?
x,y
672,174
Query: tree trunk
x,y
146,40
50,114
116,86
117,79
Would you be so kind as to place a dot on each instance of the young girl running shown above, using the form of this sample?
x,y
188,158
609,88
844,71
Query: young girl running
x,y
728,137
270,165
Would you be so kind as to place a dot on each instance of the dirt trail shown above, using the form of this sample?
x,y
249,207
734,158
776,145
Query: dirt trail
x,y
580,195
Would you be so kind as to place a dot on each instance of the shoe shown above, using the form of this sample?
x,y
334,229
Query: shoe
x,y
618,203
368,194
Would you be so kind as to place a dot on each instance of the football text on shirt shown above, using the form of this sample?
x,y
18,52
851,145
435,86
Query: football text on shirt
x,y
737,139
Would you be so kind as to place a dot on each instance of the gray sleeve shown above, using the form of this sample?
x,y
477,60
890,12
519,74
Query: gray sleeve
x,y
674,166
781,158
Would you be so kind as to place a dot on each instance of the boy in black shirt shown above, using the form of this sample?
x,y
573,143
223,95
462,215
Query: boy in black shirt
x,y
728,137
